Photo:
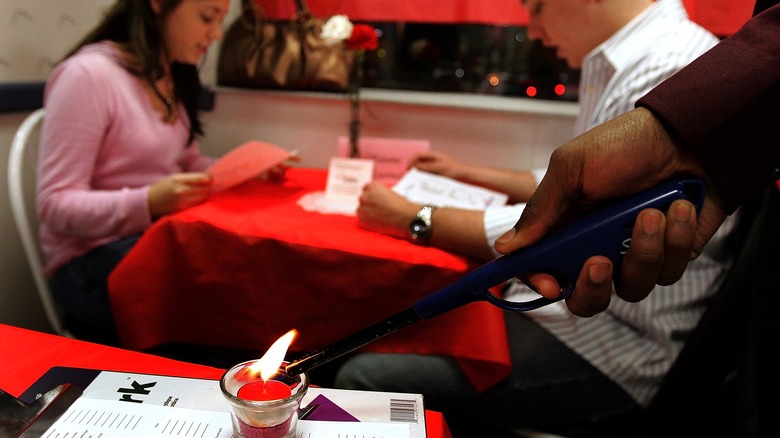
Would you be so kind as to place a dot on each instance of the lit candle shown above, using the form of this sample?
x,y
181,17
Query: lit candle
x,y
261,407
264,390
267,424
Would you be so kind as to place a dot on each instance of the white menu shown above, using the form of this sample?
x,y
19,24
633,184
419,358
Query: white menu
x,y
428,188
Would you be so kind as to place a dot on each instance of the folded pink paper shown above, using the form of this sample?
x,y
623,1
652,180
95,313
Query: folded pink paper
x,y
391,155
245,162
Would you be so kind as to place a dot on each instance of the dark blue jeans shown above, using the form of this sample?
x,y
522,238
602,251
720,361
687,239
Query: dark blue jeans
x,y
551,388
81,289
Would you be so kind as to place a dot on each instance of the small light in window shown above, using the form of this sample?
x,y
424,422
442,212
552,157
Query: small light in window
x,y
459,72
560,90
381,53
493,79
530,91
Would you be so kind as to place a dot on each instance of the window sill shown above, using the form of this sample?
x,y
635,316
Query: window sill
x,y
464,101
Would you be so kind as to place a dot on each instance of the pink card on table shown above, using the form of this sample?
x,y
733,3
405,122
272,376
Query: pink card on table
x,y
245,162
390,155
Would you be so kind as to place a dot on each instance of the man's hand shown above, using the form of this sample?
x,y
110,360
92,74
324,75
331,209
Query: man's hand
x,y
622,157
384,211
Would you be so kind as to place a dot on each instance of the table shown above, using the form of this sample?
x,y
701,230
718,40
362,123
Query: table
x,y
250,264
25,355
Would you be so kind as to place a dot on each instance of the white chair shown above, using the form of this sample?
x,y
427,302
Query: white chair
x,y
21,188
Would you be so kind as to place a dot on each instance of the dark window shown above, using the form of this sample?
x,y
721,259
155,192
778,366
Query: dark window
x,y
470,58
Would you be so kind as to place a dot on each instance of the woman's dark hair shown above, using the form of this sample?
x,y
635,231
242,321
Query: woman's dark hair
x,y
135,26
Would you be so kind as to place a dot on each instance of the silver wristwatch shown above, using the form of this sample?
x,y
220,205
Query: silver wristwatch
x,y
420,227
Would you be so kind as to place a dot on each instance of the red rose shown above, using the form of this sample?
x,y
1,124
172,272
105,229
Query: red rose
x,y
363,37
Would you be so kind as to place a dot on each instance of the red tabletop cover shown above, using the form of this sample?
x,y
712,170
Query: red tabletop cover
x,y
244,268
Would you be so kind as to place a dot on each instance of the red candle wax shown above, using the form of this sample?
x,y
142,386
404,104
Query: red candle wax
x,y
278,431
260,390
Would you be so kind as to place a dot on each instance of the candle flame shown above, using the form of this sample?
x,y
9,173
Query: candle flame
x,y
269,364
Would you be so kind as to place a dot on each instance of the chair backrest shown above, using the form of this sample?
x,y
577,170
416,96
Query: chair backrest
x,y
725,381
21,188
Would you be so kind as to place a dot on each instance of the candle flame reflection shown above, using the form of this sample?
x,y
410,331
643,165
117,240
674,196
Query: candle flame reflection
x,y
269,364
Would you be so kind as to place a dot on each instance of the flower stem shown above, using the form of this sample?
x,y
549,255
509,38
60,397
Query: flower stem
x,y
353,93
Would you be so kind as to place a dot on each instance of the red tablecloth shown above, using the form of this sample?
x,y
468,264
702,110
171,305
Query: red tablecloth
x,y
26,355
249,265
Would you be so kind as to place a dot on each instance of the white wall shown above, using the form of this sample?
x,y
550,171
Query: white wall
x,y
35,34
490,130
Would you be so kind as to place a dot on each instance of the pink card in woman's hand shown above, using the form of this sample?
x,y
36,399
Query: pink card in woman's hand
x,y
245,162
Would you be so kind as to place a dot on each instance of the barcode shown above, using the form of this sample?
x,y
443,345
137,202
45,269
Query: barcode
x,y
404,411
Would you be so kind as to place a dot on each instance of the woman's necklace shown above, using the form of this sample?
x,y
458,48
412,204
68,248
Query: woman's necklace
x,y
167,100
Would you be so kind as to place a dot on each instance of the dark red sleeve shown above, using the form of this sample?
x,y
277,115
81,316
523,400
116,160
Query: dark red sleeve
x,y
725,108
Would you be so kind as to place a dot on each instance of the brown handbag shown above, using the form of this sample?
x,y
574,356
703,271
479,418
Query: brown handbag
x,y
261,53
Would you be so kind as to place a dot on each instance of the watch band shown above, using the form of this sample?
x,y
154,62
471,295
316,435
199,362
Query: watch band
x,y
422,224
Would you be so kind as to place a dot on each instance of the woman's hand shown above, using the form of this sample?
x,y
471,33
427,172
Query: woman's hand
x,y
278,173
177,192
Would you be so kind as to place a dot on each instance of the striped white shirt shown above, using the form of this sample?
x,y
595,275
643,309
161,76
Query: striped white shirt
x,y
633,343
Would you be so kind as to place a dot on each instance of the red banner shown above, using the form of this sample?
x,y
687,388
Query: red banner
x,y
722,17
501,12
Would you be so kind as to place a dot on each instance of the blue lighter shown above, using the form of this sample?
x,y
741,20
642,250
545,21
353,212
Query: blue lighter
x,y
562,254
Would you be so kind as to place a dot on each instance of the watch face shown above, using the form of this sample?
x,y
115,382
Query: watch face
x,y
419,229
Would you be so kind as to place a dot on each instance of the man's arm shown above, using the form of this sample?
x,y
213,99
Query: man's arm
x,y
723,108
453,229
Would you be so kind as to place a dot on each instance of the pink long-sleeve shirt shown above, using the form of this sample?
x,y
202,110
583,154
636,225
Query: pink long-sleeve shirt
x,y
102,146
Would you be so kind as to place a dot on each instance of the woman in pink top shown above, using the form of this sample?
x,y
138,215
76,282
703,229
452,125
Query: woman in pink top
x,y
119,145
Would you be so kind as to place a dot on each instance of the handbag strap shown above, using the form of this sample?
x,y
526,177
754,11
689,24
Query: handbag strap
x,y
302,8
249,10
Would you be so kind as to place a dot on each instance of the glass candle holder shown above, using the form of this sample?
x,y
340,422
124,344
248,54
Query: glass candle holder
x,y
276,418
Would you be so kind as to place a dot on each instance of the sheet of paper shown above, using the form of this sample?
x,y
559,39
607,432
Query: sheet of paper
x,y
346,178
338,429
93,417
245,162
390,155
427,188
